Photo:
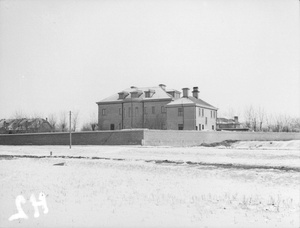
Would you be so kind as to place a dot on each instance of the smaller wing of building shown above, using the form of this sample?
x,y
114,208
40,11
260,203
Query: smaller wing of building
x,y
191,113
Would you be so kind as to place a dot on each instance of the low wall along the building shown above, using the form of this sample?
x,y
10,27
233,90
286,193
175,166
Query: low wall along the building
x,y
78,138
142,137
194,138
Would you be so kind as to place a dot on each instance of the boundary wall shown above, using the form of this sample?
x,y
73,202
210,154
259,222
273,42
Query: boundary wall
x,y
194,138
124,137
142,137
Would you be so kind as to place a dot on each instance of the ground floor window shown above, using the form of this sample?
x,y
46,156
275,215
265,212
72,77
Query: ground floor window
x,y
202,126
213,127
180,126
112,127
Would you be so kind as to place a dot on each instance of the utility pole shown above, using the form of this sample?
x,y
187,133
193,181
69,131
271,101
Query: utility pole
x,y
70,129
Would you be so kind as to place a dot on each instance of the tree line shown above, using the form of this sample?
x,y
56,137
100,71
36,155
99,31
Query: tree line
x,y
257,119
60,121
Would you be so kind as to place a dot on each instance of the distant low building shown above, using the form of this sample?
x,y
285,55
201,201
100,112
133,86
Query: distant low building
x,y
24,125
224,124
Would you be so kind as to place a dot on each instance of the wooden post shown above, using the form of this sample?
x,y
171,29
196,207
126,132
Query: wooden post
x,y
70,129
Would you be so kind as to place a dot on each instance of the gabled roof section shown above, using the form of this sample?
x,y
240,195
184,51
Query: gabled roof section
x,y
157,93
191,101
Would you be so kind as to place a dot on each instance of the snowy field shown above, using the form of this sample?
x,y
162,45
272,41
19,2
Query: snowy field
x,y
250,184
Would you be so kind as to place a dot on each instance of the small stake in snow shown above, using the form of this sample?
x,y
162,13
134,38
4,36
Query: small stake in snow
x,y
70,131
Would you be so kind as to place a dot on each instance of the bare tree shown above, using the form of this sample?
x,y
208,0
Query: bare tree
x,y
52,121
93,121
86,127
19,114
249,116
63,124
261,117
75,120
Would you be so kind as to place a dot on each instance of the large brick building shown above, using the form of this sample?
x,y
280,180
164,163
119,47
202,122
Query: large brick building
x,y
155,108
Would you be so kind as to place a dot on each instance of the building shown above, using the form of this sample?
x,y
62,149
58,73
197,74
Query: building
x,y
224,124
191,113
24,125
155,108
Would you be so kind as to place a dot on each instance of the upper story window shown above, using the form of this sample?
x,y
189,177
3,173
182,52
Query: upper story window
x,y
205,120
163,109
199,111
136,94
149,93
203,112
211,114
180,111
136,111
103,112
123,95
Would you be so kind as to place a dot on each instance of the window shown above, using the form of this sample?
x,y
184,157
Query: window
x,y
202,126
120,111
196,128
163,109
199,112
112,127
211,114
180,111
136,111
202,112
199,127
103,112
129,111
153,110
180,126
147,94
205,120
213,127
214,114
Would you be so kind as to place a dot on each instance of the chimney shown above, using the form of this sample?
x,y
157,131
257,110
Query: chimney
x,y
185,92
195,92
162,86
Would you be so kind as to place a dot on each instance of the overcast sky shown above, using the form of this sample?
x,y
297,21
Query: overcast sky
x,y
61,55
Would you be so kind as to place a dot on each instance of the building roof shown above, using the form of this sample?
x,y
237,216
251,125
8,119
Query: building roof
x,y
225,121
19,124
191,101
156,93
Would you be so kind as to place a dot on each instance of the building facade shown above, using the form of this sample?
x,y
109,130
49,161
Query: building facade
x,y
155,108
191,113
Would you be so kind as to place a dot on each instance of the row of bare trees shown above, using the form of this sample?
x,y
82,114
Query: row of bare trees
x,y
60,122
257,119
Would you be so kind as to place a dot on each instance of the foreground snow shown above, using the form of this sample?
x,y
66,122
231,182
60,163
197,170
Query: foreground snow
x,y
144,187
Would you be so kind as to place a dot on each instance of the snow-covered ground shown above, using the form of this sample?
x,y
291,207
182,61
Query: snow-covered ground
x,y
251,184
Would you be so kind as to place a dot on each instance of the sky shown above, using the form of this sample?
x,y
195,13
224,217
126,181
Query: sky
x,y
62,55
